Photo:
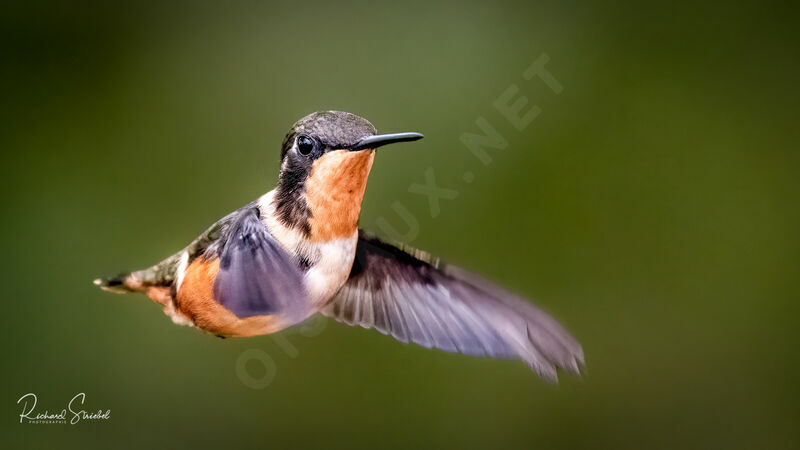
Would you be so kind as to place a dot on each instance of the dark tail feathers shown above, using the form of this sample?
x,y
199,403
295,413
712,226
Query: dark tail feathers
x,y
118,284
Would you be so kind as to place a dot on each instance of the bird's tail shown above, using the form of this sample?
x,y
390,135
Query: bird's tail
x,y
159,275
119,284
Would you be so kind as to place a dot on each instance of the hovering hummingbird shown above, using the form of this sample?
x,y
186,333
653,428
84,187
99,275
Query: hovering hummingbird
x,y
297,250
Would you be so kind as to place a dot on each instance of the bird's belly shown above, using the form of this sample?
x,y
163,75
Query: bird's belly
x,y
331,268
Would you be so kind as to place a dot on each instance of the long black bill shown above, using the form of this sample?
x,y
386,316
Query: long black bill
x,y
384,139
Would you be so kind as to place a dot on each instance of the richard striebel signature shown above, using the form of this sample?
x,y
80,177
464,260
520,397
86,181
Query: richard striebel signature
x,y
71,413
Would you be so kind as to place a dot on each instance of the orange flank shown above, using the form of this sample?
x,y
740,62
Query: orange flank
x,y
159,294
195,299
334,190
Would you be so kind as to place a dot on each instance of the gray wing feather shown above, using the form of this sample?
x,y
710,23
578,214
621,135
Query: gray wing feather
x,y
163,273
414,298
256,275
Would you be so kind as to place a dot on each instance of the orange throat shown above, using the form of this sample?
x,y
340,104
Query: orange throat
x,y
334,191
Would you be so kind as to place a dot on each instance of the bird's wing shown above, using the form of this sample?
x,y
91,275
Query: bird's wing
x,y
415,298
256,275
164,273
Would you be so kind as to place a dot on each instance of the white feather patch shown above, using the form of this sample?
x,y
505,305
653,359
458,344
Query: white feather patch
x,y
181,271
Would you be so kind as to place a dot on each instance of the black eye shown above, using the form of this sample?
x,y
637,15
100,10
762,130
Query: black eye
x,y
305,145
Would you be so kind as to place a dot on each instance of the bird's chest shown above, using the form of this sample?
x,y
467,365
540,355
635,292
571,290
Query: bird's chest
x,y
329,266
326,262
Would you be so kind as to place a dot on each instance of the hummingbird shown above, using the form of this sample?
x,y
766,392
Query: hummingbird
x,y
298,250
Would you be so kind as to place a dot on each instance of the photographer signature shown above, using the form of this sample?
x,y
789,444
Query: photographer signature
x,y
70,413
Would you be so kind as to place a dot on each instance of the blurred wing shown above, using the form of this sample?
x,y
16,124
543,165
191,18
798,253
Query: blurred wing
x,y
256,275
417,299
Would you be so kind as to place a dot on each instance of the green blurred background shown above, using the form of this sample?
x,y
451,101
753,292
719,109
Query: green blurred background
x,y
652,207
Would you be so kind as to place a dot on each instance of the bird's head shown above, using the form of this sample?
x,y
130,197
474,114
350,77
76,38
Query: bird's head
x,y
326,158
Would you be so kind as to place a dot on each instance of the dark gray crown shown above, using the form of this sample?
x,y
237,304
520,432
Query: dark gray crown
x,y
336,129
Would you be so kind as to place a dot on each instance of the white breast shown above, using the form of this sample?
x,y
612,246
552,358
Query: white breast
x,y
331,271
331,261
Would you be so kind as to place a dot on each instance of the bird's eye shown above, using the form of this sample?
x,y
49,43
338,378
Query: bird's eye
x,y
305,145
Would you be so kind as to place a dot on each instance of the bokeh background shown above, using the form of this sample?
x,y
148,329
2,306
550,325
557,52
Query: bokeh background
x,y
652,207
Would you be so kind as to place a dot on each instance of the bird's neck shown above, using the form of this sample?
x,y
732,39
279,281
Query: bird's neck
x,y
334,191
326,205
